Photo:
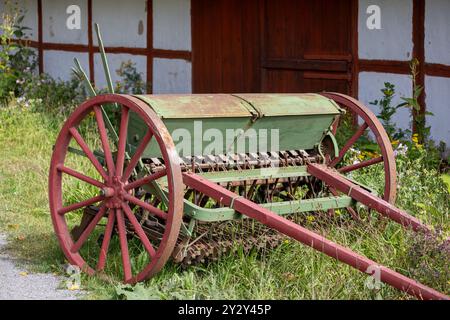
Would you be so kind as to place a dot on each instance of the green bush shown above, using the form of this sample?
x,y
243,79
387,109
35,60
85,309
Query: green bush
x,y
17,60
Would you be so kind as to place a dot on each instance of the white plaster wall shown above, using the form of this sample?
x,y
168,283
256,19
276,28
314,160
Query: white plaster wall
x,y
172,24
54,18
114,62
58,64
370,84
122,23
172,76
438,102
437,31
394,40
29,8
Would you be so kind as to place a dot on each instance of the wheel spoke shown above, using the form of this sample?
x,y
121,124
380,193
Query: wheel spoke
x,y
80,176
146,180
122,141
124,245
87,232
76,135
349,143
138,229
104,138
106,239
359,165
137,155
80,204
145,206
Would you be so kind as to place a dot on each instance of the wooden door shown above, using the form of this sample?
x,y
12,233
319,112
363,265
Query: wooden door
x,y
272,45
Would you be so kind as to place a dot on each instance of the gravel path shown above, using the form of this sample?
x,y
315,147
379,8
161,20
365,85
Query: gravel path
x,y
16,283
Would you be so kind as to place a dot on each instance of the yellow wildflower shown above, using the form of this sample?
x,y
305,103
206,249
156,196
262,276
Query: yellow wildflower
x,y
74,287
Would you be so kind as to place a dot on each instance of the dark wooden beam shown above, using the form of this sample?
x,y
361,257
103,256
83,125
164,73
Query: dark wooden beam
x,y
437,70
386,66
149,76
90,46
419,51
39,43
306,65
172,54
161,53
354,85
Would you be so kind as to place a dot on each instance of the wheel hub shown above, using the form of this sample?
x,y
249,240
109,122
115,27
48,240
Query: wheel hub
x,y
113,192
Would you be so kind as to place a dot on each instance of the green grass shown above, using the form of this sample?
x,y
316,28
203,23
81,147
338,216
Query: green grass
x,y
446,178
292,271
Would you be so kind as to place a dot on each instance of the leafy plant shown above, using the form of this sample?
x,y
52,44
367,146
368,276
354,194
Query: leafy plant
x,y
131,79
17,60
57,97
387,111
419,142
413,104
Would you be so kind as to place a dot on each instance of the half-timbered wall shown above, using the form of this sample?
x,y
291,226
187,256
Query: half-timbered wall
x,y
157,36
154,34
409,29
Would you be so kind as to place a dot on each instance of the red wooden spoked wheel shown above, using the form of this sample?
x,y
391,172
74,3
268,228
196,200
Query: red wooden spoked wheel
x,y
117,205
369,122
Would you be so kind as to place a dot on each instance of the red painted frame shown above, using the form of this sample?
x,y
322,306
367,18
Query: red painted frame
x,y
316,241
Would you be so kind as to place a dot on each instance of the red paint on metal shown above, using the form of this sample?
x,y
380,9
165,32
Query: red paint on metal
x,y
80,176
78,205
124,245
308,237
145,205
360,165
106,239
349,143
335,180
122,141
137,155
83,237
138,229
87,151
104,138
390,174
145,180
118,197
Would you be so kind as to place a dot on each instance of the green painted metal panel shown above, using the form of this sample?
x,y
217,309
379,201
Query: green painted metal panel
x,y
295,132
195,106
221,124
281,208
290,104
